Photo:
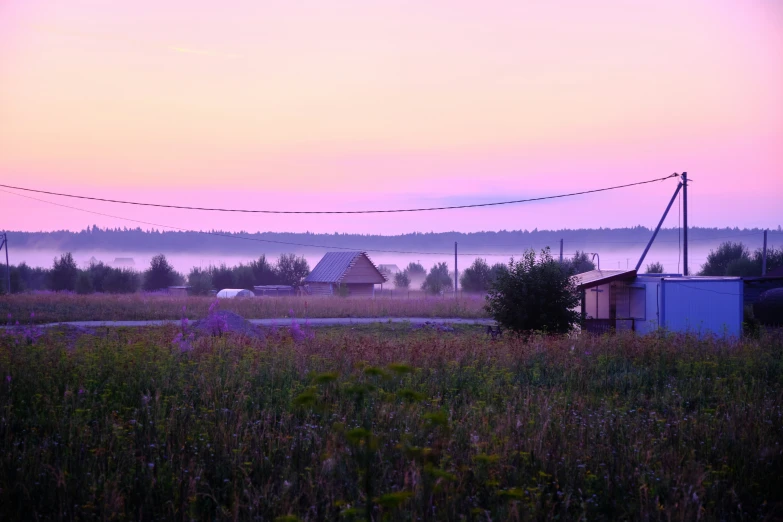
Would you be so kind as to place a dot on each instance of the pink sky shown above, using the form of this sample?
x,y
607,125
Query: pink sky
x,y
356,104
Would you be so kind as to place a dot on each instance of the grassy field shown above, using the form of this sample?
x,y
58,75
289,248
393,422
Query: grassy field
x,y
58,307
388,423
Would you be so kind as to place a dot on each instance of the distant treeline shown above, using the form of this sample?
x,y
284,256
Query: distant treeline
x,y
65,275
503,241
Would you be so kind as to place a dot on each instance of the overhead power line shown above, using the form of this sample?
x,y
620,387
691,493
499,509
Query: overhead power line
x,y
388,211
234,236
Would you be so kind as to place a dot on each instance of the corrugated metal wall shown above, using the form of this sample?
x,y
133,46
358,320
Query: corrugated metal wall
x,y
702,306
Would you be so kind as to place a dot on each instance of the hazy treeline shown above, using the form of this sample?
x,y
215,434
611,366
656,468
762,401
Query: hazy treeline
x,y
138,240
65,275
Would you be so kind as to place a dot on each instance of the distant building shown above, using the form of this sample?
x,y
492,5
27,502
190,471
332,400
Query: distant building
x,y
352,272
274,290
389,269
623,300
181,291
124,262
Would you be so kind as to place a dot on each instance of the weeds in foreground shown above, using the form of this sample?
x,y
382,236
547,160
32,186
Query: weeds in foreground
x,y
430,426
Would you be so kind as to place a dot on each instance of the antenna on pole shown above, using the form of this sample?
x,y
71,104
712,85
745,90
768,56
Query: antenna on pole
x,y
684,223
658,228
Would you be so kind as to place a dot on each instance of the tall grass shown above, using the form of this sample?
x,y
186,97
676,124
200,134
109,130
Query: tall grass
x,y
423,426
59,307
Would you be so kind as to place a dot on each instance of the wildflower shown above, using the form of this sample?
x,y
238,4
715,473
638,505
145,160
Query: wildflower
x,y
81,391
8,379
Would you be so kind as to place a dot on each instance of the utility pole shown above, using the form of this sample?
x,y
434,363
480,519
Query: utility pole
x,y
764,256
455,270
684,223
561,251
658,228
7,266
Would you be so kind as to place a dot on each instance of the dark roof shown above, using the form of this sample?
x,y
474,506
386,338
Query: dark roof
x,y
602,277
333,266
273,287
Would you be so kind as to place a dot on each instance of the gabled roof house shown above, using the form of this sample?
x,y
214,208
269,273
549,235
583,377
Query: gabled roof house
x,y
351,271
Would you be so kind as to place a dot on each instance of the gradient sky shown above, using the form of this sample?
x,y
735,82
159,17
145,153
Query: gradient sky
x,y
356,104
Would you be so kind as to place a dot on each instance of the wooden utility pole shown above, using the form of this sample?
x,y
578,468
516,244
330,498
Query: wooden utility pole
x,y
561,251
684,223
764,256
455,270
7,266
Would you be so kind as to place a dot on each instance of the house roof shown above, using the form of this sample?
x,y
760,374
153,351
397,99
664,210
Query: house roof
x,y
334,265
602,277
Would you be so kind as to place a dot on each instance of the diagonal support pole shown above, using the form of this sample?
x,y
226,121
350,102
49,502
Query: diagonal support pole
x,y
658,228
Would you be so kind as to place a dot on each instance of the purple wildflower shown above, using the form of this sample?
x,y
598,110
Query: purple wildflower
x,y
8,379
81,391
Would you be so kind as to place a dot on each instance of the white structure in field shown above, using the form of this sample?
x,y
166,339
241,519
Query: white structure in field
x,y
623,300
228,293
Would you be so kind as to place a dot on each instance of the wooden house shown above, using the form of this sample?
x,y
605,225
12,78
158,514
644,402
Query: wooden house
x,y
350,272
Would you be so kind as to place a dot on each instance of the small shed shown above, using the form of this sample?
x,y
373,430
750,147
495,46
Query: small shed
x,y
181,291
623,300
230,293
274,290
352,271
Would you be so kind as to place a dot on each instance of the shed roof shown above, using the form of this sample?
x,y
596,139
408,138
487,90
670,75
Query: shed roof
x,y
602,277
334,265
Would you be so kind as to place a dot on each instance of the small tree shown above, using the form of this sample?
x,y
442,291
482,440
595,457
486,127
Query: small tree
x,y
477,277
222,277
160,274
121,281
401,280
415,270
437,280
291,270
718,261
244,277
579,264
654,268
84,283
64,273
200,281
263,272
534,295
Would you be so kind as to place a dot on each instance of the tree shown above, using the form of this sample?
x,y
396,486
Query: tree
x,y
534,295
477,277
401,280
64,273
437,280
160,274
415,270
263,272
579,264
222,277
774,259
291,270
84,283
718,261
654,268
244,277
121,281
200,281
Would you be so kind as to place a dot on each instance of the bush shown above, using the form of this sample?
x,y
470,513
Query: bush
x,y
654,268
718,261
160,274
292,270
200,281
477,277
534,295
244,277
437,280
401,280
64,273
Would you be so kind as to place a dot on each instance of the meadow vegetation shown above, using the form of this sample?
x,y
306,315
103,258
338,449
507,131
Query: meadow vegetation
x,y
399,425
52,307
